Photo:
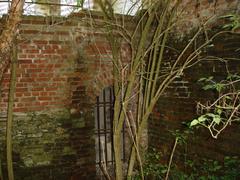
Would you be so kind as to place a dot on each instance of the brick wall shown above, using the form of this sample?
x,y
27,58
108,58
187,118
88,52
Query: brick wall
x,y
58,77
179,105
196,12
52,59
63,64
58,55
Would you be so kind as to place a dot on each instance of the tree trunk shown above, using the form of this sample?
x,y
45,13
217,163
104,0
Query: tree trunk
x,y
118,158
10,113
7,36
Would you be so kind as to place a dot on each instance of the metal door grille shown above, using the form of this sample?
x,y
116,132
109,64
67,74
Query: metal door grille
x,y
104,131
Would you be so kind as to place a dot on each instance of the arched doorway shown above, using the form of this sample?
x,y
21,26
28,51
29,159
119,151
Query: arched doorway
x,y
104,133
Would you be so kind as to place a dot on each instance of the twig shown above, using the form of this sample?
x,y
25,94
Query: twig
x,y
171,158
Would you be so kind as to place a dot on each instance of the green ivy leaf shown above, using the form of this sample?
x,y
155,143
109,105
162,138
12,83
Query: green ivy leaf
x,y
210,78
208,87
228,97
219,87
202,118
227,16
163,171
233,76
227,26
219,111
217,119
202,79
194,123
210,115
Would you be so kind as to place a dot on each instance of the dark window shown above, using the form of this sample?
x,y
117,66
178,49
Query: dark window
x,y
104,131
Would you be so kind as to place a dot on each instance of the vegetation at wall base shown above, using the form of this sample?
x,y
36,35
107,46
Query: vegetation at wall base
x,y
190,169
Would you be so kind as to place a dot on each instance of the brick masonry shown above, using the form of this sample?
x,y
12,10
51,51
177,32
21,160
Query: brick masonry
x,y
63,64
179,105
60,64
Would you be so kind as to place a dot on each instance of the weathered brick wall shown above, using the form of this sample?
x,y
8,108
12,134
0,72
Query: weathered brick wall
x,y
179,105
54,56
63,64
60,64
194,13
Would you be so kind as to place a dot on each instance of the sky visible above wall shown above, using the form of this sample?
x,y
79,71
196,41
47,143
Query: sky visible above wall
x,y
67,6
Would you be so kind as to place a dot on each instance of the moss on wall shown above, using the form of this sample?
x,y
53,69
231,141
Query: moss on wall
x,y
44,141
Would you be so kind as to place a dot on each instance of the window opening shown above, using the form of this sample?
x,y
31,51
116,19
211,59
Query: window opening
x,y
104,132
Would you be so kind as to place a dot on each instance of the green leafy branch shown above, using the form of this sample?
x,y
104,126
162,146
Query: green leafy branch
x,y
234,21
216,116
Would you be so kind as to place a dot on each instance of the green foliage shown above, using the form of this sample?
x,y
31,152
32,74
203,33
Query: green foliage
x,y
206,119
210,84
217,115
182,135
214,170
79,5
204,169
233,77
234,21
152,167
231,166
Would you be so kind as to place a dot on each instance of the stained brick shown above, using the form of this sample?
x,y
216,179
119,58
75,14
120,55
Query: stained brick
x,y
52,76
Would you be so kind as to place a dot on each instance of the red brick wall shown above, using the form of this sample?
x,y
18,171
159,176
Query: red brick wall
x,y
55,58
42,64
65,63
58,55
59,67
